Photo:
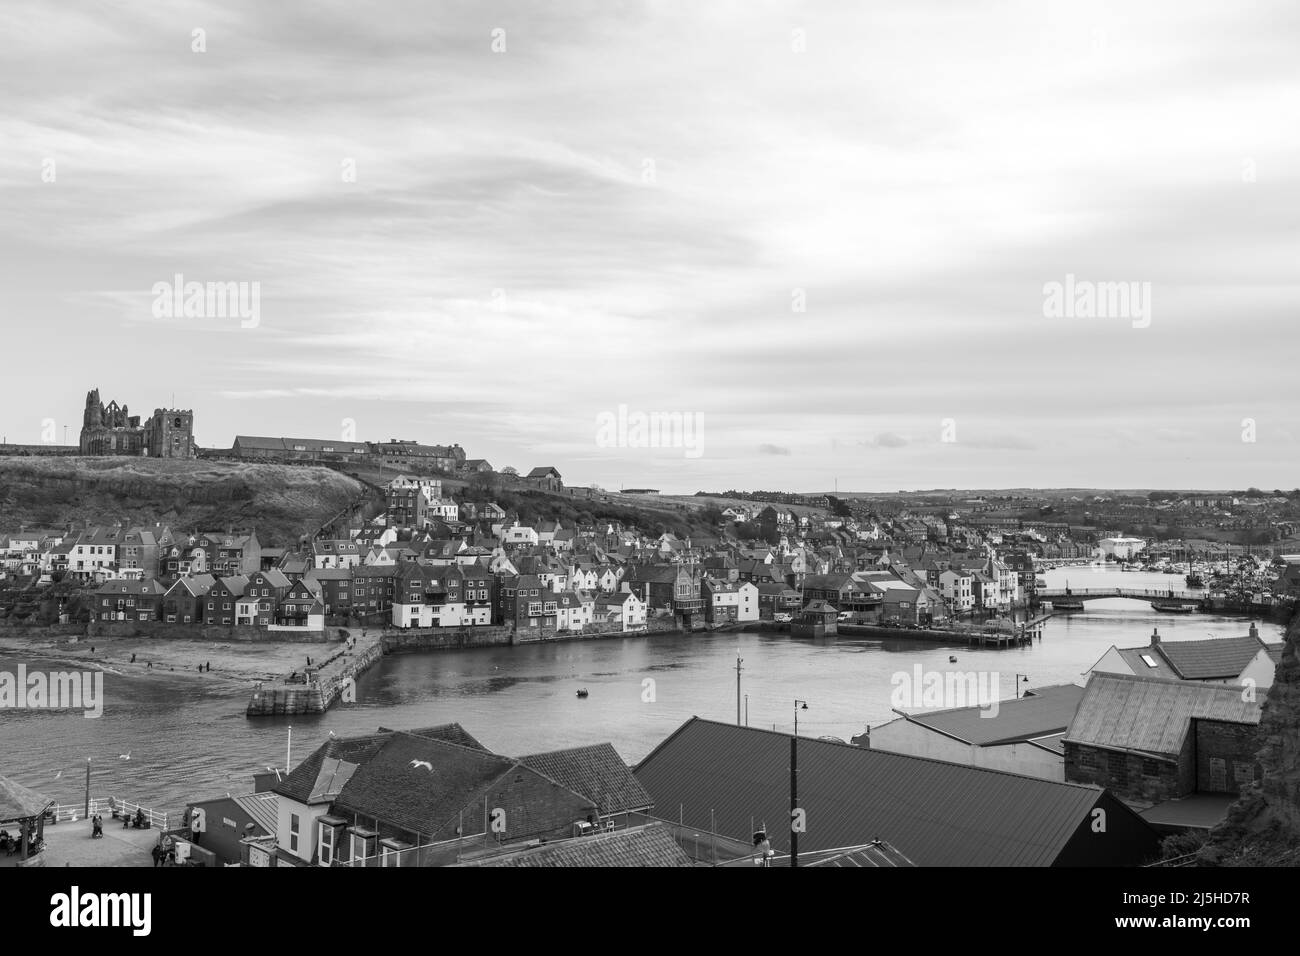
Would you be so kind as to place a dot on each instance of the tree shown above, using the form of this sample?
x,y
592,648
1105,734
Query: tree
x,y
511,471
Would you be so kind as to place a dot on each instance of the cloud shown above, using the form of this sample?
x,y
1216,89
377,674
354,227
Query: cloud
x,y
623,203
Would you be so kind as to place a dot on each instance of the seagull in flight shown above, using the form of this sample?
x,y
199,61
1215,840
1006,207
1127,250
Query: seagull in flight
x,y
125,756
422,763
58,775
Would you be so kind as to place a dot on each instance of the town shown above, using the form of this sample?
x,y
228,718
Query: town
x,y
440,551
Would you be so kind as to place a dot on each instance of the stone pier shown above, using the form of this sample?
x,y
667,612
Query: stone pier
x,y
314,690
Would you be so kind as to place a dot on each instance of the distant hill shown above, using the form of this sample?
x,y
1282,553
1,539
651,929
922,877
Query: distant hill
x,y
281,502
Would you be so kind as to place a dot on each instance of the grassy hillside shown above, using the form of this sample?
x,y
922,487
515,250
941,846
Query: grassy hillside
x,y
281,502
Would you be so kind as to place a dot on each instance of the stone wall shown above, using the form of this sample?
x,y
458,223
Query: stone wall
x,y
176,632
1129,776
1225,756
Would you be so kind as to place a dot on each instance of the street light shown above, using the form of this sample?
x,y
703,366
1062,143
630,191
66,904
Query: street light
x,y
796,714
794,783
1019,678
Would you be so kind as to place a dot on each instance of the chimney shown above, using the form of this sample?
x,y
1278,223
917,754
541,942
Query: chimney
x,y
1155,636
1254,631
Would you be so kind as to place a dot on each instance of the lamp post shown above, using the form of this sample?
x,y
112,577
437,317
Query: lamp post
x,y
794,783
1019,678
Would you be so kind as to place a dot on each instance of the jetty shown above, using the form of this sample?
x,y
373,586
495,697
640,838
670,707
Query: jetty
x,y
998,635
314,689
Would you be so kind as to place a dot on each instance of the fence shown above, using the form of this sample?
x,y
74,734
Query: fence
x,y
114,808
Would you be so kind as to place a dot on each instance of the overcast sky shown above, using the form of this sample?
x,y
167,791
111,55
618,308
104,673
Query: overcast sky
x,y
629,204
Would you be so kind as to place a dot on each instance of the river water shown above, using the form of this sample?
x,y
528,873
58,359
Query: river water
x,y
191,740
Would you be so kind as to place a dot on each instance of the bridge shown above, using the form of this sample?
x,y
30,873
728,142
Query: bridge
x,y
1137,594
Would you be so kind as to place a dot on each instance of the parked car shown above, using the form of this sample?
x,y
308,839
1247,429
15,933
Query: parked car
x,y
782,618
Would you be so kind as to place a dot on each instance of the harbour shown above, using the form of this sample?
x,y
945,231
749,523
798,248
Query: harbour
x,y
187,737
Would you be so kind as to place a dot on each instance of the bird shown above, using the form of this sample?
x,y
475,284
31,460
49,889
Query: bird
x,y
125,756
332,734
58,775
422,763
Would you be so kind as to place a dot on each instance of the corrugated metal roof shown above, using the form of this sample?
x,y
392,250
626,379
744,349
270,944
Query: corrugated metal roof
x,y
262,807
1152,716
1049,710
873,855
938,814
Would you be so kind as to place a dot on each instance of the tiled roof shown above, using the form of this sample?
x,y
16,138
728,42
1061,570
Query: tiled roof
x,y
938,813
1152,716
301,781
651,845
451,733
1222,657
394,788
597,773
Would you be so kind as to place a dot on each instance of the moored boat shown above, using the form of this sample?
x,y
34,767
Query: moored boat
x,y
1173,607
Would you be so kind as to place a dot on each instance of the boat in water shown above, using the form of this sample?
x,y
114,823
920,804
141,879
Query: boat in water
x,y
1173,606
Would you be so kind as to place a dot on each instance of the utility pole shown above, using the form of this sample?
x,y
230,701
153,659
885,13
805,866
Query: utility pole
x,y
87,807
738,663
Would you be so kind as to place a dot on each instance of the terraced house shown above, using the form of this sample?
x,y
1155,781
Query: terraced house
x,y
184,601
129,600
219,604
301,608
231,553
427,596
268,587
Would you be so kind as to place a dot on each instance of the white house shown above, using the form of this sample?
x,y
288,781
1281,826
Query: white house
x,y
623,608
1247,661
957,587
333,554
518,535
1121,548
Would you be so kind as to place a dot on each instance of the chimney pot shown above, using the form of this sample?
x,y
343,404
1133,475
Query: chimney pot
x,y
1155,636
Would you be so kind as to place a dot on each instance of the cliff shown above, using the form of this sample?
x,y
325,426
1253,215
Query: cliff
x,y
281,502
1263,827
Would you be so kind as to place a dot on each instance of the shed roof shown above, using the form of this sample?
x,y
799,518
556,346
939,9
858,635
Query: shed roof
x,y
1152,715
940,814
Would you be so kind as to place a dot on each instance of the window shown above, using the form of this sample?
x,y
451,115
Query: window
x,y
325,849
294,825
1146,659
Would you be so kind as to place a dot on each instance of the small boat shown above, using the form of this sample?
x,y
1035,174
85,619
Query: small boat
x,y
583,692
952,658
1173,607
1067,605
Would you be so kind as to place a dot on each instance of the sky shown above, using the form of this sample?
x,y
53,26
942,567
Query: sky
x,y
819,242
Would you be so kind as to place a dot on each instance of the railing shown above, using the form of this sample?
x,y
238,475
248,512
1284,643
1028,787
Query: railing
x,y
114,808
1122,592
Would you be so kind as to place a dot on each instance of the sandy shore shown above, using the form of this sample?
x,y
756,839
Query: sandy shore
x,y
232,662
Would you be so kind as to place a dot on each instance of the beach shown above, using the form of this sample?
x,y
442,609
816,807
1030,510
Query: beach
x,y
231,661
